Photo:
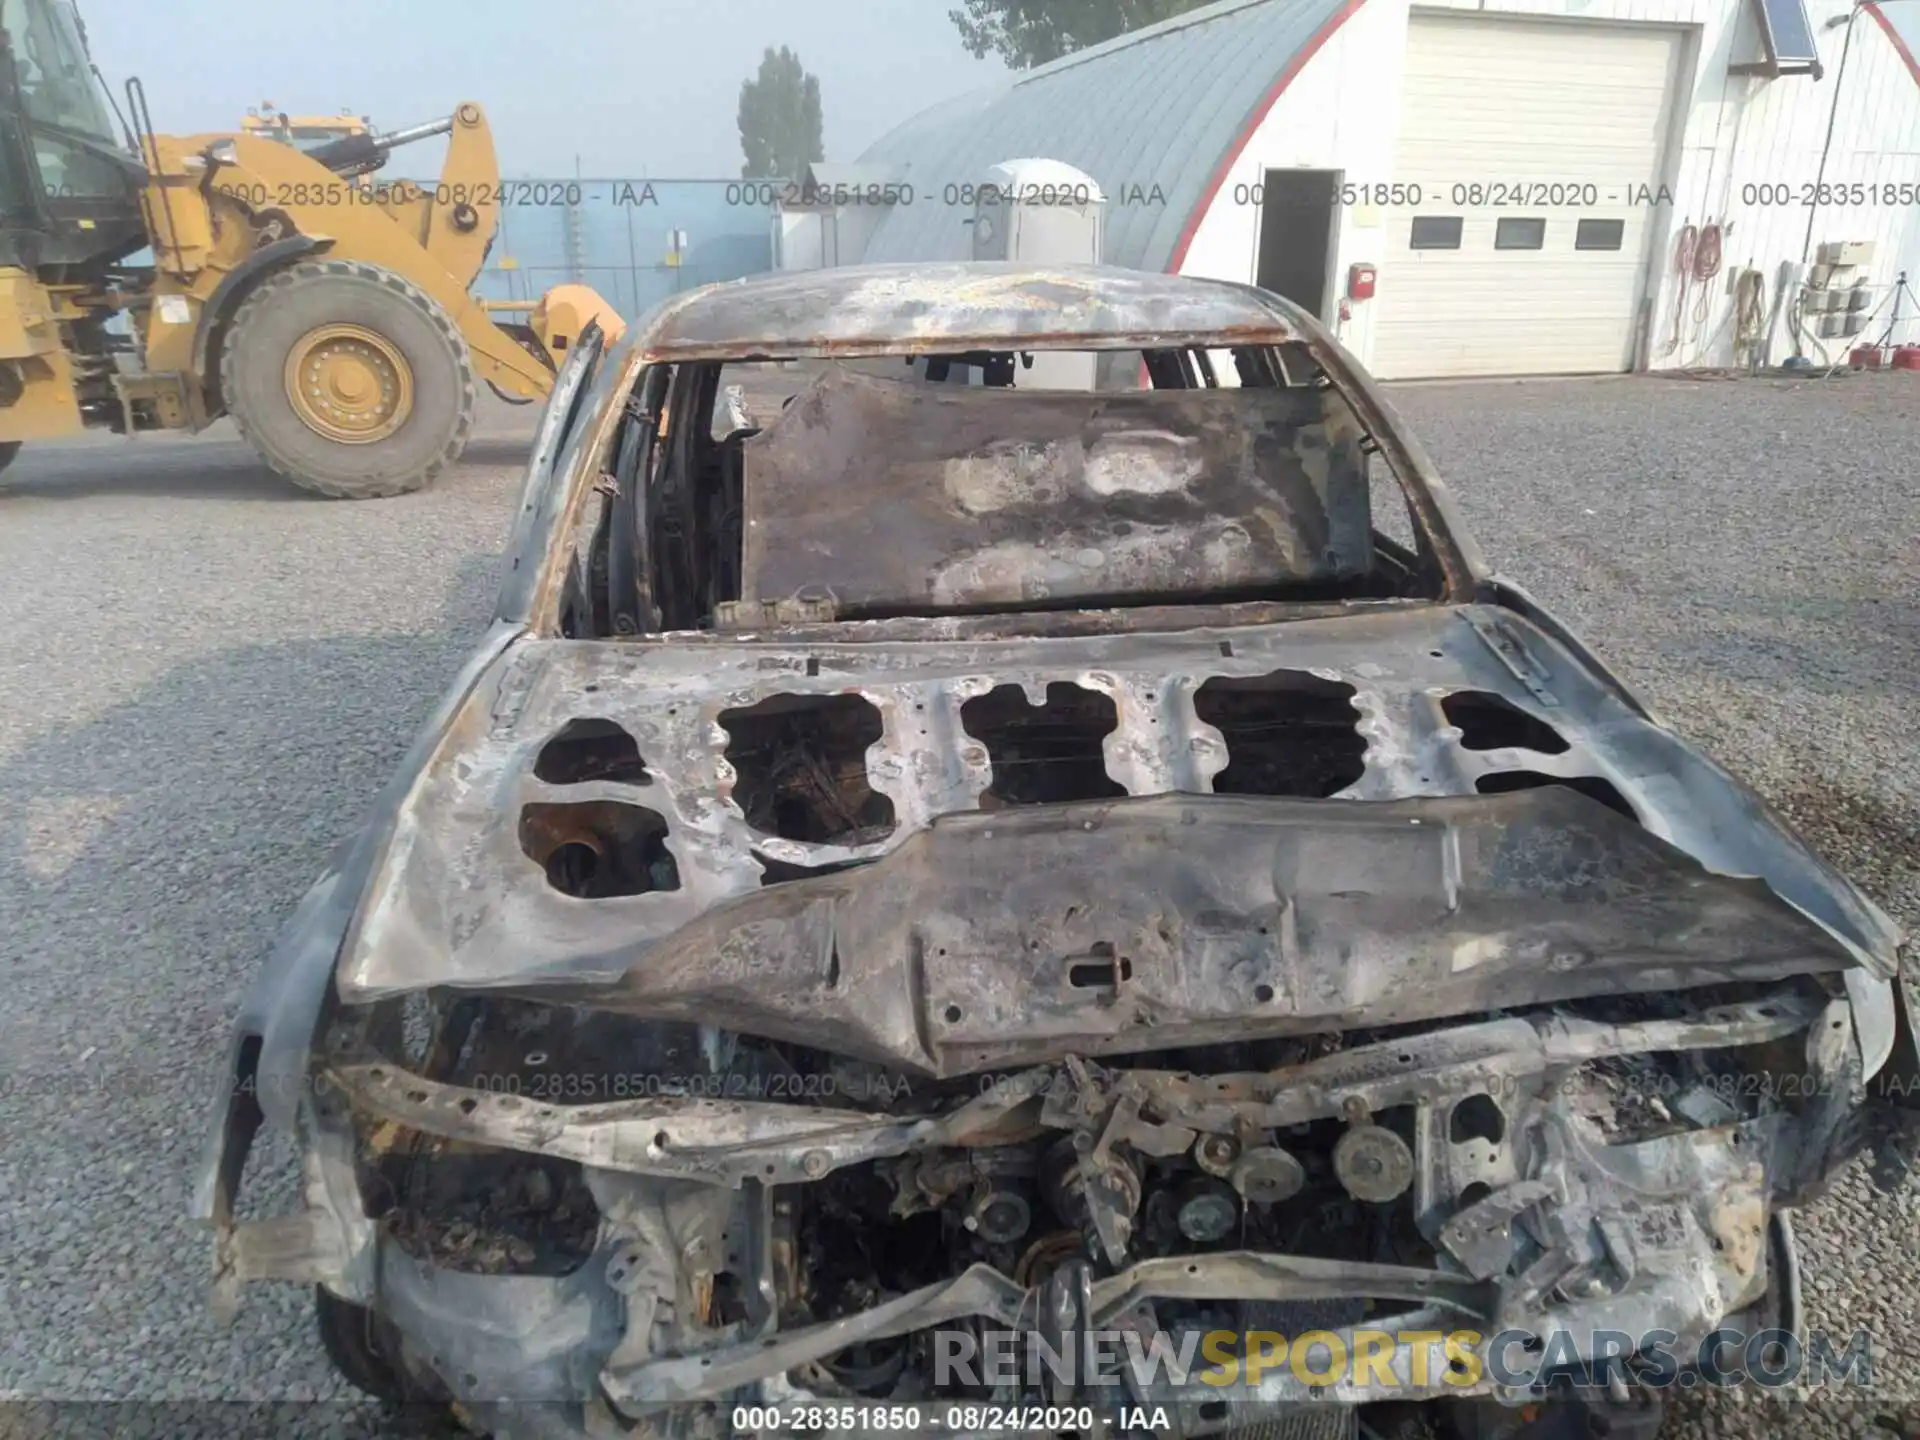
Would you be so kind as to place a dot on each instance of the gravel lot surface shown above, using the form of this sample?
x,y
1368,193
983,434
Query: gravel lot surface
x,y
204,676
1746,556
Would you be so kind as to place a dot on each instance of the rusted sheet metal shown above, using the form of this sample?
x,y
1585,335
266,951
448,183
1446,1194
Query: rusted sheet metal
x,y
920,309
461,902
897,493
1235,917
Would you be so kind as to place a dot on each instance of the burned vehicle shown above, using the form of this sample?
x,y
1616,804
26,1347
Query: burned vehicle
x,y
1049,828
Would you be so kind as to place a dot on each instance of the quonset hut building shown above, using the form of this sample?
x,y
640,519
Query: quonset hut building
x,y
1503,188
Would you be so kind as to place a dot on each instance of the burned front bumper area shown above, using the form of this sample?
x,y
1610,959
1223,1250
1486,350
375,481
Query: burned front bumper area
x,y
712,1025
606,1220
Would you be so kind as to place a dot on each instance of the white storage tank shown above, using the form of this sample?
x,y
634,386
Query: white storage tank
x,y
1041,212
1038,212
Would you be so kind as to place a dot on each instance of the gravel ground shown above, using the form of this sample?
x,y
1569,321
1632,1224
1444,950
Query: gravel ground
x,y
204,676
1746,556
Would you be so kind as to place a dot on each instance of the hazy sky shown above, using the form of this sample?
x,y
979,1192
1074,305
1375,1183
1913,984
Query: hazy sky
x,y
632,87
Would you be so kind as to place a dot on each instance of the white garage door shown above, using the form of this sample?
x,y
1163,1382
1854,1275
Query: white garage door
x,y
1537,147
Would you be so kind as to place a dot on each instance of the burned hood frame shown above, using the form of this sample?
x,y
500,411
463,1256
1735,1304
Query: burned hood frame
x,y
454,899
461,901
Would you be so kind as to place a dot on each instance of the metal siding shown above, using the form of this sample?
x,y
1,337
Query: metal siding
x,y
1170,103
1737,131
620,247
1745,132
1161,106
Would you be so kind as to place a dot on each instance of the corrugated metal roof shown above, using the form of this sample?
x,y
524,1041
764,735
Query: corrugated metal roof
x,y
1160,106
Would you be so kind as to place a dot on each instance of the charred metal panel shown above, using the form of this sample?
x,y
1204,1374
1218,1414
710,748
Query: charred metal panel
x,y
893,494
692,861
1226,917
459,901
897,309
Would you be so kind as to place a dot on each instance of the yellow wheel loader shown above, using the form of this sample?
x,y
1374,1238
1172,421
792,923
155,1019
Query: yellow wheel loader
x,y
325,311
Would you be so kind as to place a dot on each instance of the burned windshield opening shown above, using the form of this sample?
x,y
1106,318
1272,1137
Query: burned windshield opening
x,y
991,482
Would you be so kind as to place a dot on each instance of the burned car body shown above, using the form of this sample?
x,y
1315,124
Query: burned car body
x,y
976,856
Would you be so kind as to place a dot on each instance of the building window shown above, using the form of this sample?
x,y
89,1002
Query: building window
x,y
1435,232
1513,233
1599,234
1786,40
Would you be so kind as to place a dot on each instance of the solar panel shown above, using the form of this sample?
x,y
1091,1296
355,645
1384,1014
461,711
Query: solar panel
x,y
1788,33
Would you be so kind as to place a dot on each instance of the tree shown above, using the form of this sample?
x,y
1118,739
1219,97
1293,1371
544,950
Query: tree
x,y
1025,33
780,129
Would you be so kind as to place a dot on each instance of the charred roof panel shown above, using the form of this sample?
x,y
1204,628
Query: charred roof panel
x,y
876,309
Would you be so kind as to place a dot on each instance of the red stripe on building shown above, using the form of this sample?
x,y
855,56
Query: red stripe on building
x,y
1913,66
1254,118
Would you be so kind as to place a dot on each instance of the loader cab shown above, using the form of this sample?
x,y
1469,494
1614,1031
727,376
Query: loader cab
x,y
69,186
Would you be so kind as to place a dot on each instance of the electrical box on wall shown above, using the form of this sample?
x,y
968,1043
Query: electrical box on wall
x,y
1360,282
1846,252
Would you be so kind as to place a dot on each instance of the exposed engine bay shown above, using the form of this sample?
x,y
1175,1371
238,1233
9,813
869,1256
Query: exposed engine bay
x,y
783,1224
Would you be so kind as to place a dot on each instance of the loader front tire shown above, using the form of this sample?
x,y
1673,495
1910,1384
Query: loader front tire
x,y
349,380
